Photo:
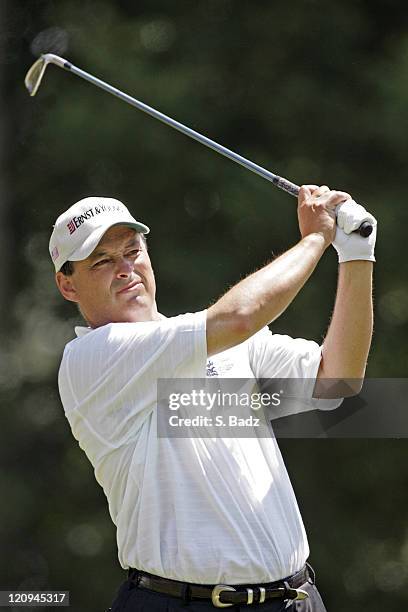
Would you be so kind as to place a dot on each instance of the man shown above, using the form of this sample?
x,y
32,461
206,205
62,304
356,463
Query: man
x,y
201,523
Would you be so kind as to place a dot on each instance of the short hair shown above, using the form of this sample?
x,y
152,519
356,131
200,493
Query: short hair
x,y
68,267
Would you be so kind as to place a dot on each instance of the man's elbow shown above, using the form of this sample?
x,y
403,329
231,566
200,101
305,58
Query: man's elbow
x,y
336,388
225,330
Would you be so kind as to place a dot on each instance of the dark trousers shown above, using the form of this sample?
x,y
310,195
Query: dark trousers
x,y
131,598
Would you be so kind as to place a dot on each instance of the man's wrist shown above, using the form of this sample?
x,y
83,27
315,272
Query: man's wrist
x,y
316,241
355,265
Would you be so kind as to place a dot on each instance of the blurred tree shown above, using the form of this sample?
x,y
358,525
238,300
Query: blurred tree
x,y
5,141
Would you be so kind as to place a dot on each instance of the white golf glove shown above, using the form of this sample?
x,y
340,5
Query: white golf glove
x,y
349,244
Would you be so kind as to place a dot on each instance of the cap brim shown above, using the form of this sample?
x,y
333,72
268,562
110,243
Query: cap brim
x,y
93,240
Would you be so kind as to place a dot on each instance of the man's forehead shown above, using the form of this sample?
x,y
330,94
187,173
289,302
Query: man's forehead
x,y
118,232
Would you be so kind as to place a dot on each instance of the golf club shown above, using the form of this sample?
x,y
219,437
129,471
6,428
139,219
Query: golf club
x,y
36,73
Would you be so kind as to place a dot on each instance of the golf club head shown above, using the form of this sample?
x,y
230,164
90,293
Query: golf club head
x,y
34,76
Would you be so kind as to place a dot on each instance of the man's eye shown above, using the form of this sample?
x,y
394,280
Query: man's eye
x,y
100,263
134,251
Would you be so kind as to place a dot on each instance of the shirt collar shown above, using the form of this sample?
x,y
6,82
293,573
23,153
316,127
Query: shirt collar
x,y
81,330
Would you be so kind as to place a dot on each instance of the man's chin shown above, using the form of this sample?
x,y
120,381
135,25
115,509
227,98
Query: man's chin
x,y
137,313
134,312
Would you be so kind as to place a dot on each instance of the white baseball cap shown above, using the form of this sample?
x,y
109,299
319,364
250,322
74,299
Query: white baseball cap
x,y
80,228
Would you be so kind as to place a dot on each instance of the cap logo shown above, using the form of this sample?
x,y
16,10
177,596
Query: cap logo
x,y
78,220
54,253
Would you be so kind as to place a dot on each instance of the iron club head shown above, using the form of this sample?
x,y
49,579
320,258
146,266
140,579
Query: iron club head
x,y
34,76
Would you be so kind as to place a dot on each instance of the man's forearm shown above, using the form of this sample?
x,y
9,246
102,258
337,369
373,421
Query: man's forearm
x,y
263,296
347,343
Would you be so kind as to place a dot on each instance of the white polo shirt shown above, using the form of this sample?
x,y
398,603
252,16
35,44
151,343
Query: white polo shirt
x,y
200,510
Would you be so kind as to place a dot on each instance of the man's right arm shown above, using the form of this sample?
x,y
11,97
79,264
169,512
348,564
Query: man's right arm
x,y
261,297
264,295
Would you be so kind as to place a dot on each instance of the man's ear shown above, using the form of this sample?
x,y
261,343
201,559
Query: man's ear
x,y
66,286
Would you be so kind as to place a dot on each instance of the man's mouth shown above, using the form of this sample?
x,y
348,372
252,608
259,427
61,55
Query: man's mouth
x,y
131,287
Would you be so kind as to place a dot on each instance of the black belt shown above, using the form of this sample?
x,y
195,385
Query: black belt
x,y
223,595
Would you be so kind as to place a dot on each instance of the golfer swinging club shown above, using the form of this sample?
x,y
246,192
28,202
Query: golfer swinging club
x,y
192,528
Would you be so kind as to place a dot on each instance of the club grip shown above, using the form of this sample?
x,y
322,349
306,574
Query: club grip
x,y
365,229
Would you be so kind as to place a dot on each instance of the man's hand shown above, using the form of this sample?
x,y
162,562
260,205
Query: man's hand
x,y
350,246
316,211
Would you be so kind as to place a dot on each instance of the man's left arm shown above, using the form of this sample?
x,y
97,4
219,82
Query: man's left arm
x,y
347,343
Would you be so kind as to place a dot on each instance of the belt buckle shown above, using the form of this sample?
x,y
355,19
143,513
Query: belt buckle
x,y
215,595
219,588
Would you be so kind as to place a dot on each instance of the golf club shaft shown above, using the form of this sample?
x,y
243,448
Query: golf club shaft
x,y
291,188
273,178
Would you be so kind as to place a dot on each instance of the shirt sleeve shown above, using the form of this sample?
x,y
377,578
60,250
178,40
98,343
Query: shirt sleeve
x,y
275,356
108,377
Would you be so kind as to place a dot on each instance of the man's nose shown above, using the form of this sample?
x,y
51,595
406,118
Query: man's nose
x,y
124,268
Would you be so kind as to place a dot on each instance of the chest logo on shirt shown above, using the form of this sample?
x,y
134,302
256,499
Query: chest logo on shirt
x,y
220,367
211,369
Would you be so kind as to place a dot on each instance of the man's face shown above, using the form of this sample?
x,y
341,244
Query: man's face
x,y
115,283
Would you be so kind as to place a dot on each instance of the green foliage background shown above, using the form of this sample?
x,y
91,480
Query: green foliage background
x,y
316,91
